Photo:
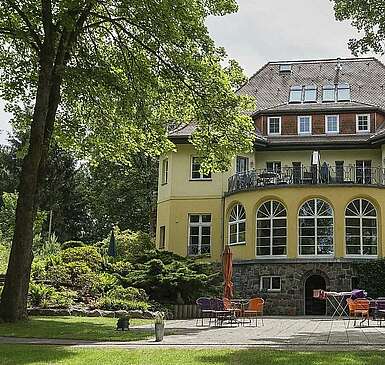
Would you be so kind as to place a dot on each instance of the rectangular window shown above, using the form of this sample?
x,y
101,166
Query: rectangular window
x,y
274,125
242,164
310,94
195,170
273,166
270,283
328,93
199,234
165,171
162,237
343,92
295,95
304,125
363,171
362,123
332,124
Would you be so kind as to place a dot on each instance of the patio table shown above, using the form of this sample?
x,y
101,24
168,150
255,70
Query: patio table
x,y
337,301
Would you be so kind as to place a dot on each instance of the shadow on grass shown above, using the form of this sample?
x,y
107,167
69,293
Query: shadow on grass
x,y
76,328
28,355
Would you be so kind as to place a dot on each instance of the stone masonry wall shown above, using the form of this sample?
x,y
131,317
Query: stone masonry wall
x,y
290,300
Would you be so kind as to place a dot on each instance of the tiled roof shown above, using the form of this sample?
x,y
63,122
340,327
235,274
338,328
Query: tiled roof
x,y
317,107
319,139
366,77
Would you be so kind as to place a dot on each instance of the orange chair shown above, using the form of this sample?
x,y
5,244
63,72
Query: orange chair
x,y
361,308
352,307
254,308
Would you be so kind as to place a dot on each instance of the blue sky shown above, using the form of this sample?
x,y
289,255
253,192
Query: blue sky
x,y
272,30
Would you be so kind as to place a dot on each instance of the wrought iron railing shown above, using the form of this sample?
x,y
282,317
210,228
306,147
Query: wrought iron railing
x,y
306,175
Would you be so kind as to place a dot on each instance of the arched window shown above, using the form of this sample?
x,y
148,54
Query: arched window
x,y
361,228
271,229
315,228
237,225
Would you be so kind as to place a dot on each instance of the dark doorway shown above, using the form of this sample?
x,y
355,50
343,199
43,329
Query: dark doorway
x,y
314,306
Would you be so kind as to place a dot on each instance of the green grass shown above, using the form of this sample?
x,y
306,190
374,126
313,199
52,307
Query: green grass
x,y
77,328
37,355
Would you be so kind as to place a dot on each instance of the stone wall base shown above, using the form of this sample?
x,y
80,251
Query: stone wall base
x,y
290,300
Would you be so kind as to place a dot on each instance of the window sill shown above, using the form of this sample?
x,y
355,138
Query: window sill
x,y
316,256
237,244
361,256
271,257
201,180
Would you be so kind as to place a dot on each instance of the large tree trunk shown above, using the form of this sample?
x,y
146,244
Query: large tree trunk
x,y
13,304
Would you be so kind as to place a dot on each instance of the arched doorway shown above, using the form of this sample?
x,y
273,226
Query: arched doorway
x,y
314,306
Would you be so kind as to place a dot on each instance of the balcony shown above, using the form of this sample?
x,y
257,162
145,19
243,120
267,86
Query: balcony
x,y
306,175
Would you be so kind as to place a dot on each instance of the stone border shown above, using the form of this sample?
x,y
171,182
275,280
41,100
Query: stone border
x,y
90,313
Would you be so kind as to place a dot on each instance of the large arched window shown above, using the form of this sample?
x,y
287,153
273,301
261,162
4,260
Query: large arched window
x,y
271,229
361,228
315,219
237,225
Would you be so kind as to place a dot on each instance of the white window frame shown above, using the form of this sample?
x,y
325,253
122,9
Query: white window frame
x,y
236,223
312,88
271,283
361,216
329,87
201,176
271,219
165,171
247,161
296,88
315,217
268,126
199,224
343,86
363,130
327,126
299,123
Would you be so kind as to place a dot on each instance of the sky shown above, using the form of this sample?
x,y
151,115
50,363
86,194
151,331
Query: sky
x,y
271,30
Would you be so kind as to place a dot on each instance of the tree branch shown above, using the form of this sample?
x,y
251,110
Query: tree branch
x,y
31,29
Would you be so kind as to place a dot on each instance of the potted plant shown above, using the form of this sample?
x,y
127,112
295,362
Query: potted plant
x,y
159,320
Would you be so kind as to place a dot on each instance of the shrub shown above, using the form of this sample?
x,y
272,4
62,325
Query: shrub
x,y
88,255
119,304
128,294
4,254
72,244
62,299
39,293
130,245
106,282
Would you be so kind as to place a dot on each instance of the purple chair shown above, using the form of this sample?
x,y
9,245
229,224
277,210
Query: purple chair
x,y
204,305
358,294
379,310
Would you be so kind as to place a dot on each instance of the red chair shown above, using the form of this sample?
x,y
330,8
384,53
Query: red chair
x,y
254,308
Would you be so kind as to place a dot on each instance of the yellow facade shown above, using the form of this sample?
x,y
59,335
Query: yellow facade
x,y
181,196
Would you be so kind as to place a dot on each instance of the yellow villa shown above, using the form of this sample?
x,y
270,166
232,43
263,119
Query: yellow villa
x,y
307,203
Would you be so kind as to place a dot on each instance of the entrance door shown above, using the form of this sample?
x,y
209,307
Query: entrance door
x,y
314,306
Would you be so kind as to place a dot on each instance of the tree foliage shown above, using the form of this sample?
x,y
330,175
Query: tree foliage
x,y
368,16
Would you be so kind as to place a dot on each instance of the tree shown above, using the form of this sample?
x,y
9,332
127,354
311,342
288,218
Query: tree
x,y
107,78
369,19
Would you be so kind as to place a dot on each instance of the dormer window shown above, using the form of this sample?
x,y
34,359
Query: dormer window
x,y
284,68
310,93
295,94
328,93
343,92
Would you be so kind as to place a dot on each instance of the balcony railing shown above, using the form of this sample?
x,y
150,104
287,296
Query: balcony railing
x,y
306,175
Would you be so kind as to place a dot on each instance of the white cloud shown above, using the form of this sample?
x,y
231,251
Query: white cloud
x,y
276,30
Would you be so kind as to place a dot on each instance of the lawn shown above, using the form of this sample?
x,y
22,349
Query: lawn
x,y
37,355
77,328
